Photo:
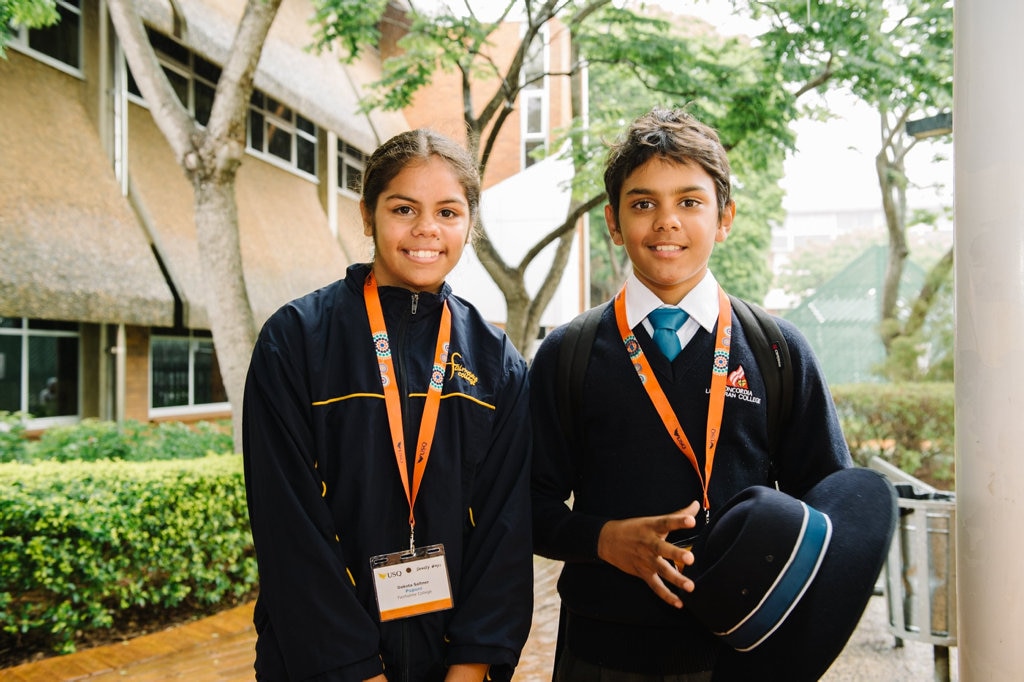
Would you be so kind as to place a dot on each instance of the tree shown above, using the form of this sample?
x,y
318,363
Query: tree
x,y
210,156
723,84
897,57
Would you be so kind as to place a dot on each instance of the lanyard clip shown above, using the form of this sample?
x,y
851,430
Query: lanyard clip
x,y
412,538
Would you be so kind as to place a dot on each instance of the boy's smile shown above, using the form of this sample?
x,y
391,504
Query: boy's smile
x,y
668,223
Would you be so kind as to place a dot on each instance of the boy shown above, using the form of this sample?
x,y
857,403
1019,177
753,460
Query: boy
x,y
664,440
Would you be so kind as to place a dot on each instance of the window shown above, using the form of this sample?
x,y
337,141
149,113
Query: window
x,y
184,373
277,131
351,163
60,44
533,100
193,78
39,367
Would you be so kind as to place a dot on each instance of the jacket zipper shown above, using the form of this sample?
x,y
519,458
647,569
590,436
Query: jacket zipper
x,y
402,368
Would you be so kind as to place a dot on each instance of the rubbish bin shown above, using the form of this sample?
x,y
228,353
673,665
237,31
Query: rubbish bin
x,y
920,571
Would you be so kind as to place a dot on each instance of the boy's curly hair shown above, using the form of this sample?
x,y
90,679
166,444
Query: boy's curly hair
x,y
673,135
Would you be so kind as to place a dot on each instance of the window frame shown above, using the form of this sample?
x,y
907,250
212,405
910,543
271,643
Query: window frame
x,y
187,71
25,332
20,42
534,92
350,156
192,408
291,126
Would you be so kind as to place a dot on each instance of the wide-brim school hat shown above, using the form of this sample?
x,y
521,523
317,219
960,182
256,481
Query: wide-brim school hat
x,y
784,581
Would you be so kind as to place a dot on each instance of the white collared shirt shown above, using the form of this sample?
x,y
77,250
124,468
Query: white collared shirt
x,y
701,304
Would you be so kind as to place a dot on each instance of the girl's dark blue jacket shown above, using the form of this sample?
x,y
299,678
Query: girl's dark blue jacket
x,y
325,495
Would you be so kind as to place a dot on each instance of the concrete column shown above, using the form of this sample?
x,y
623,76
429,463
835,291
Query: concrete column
x,y
988,137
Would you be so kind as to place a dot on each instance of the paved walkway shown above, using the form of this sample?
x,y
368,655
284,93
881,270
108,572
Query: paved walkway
x,y
220,649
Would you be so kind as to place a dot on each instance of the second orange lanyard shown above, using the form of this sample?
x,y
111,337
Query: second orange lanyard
x,y
719,372
392,400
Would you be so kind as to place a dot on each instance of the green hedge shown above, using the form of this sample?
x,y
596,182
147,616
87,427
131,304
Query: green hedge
x,y
909,425
81,543
92,440
12,437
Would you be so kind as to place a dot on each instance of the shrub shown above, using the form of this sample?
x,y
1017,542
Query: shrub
x,y
907,424
92,440
82,542
12,439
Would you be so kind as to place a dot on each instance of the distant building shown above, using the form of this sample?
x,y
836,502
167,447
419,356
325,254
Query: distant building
x,y
822,228
840,319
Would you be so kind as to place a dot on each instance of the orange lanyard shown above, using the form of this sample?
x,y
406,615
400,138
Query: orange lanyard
x,y
719,370
388,380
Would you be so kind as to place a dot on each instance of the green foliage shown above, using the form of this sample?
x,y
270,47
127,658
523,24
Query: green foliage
x,y
724,83
351,23
12,436
895,56
29,13
909,425
739,263
637,56
83,543
431,42
92,440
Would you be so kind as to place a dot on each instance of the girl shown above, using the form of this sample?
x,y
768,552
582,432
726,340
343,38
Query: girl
x,y
386,444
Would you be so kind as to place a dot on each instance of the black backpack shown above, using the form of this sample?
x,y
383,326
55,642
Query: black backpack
x,y
766,341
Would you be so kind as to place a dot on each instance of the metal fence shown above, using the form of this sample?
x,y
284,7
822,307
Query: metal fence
x,y
920,571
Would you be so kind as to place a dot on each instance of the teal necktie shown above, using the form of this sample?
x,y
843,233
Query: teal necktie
x,y
666,323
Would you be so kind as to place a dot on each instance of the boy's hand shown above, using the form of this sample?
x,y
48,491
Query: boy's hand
x,y
638,547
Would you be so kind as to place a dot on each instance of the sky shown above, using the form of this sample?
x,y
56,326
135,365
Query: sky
x,y
833,165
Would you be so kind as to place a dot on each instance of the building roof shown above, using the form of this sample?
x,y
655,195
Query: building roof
x,y
72,249
287,248
840,319
318,85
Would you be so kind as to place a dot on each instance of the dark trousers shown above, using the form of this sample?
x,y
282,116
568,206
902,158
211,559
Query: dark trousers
x,y
569,668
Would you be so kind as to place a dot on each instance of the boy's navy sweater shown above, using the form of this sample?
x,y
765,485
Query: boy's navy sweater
x,y
627,466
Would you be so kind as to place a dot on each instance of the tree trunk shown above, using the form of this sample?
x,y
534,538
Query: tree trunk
x,y
210,158
933,282
227,300
890,179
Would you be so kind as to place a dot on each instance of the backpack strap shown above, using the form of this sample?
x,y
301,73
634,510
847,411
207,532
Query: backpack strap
x,y
772,354
573,356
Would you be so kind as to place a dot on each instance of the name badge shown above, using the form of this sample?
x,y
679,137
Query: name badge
x,y
411,582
